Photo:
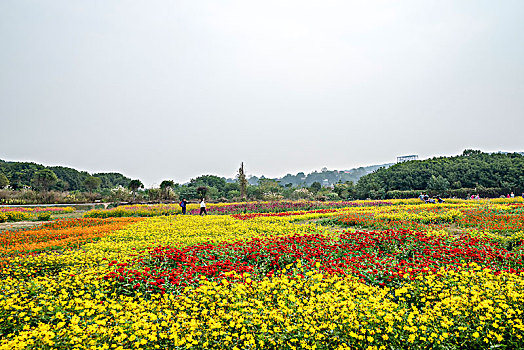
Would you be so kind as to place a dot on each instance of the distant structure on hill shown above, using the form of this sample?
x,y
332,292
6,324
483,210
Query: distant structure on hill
x,y
403,159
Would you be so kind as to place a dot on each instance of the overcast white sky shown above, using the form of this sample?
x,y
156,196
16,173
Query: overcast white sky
x,y
175,89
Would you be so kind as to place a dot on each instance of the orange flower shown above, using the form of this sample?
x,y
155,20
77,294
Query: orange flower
x,y
60,234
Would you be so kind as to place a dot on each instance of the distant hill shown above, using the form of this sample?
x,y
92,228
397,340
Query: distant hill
x,y
489,174
324,177
20,174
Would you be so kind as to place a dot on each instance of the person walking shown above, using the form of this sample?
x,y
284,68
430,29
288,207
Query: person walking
x,y
203,207
183,205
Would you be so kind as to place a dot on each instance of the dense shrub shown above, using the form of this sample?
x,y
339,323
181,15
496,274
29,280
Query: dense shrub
x,y
44,216
17,216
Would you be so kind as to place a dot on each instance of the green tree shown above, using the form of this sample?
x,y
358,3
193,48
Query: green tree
x,y
134,185
155,194
43,179
112,180
494,173
233,194
187,192
345,190
438,183
269,186
215,184
242,181
232,187
201,191
471,152
4,181
254,192
165,187
370,187
167,184
69,179
92,183
315,187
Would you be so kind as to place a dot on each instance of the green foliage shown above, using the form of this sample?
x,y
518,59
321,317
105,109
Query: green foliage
x,y
69,179
4,181
209,181
438,183
345,191
269,185
43,179
92,183
242,181
315,187
187,192
154,194
215,188
20,175
330,196
473,170
471,152
164,185
332,176
231,195
254,192
112,180
134,185
119,194
201,191
166,189
301,193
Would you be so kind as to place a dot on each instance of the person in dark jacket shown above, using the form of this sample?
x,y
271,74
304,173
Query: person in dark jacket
x,y
183,205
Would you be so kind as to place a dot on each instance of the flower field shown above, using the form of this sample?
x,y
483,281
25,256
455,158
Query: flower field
x,y
59,234
145,210
398,275
23,213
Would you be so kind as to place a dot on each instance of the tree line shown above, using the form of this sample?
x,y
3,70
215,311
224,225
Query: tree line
x,y
472,172
19,175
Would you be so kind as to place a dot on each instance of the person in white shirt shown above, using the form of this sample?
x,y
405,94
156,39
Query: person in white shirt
x,y
203,207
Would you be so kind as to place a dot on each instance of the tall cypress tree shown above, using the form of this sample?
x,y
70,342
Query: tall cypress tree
x,y
242,181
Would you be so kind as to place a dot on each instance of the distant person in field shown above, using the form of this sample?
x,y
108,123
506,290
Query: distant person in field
x,y
440,200
203,207
421,197
183,205
512,195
